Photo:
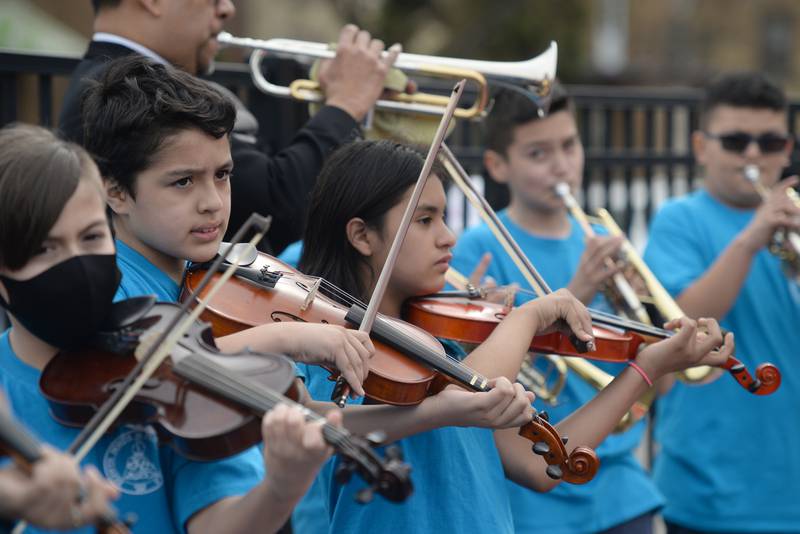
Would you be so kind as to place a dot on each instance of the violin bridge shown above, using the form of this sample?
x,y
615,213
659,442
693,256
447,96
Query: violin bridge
x,y
312,293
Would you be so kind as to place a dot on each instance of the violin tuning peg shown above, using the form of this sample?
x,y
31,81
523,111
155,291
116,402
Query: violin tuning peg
x,y
365,495
340,392
343,472
541,448
544,415
394,453
564,439
554,472
376,438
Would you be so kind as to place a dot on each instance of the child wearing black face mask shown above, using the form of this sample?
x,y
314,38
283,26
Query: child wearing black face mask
x,y
64,315
58,277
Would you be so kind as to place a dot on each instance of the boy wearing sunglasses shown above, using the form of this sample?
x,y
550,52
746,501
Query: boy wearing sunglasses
x,y
728,460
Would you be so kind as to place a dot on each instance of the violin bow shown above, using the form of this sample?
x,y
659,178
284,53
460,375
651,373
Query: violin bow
x,y
341,388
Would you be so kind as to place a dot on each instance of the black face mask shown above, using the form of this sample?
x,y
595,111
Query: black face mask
x,y
65,305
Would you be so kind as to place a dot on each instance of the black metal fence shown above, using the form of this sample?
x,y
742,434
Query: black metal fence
x,y
637,140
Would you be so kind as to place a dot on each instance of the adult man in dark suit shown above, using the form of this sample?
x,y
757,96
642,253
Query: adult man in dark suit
x,y
183,33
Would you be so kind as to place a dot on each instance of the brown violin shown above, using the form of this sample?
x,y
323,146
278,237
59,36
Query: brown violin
x,y
409,363
454,315
205,404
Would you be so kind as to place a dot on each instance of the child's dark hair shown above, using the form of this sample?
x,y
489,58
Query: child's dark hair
x,y
136,105
513,107
364,179
97,5
743,90
39,173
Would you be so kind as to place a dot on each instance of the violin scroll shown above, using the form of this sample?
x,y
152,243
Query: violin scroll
x,y
577,467
392,481
767,380
582,464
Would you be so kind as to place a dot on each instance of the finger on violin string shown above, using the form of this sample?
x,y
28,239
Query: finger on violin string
x,y
352,378
359,366
686,327
296,426
679,323
713,341
578,322
711,326
365,342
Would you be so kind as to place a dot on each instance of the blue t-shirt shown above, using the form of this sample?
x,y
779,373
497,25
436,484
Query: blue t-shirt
x,y
141,277
161,487
621,490
310,516
728,458
458,479
292,253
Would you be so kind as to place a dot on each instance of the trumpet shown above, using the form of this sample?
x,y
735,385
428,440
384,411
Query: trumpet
x,y
618,291
537,74
785,244
659,297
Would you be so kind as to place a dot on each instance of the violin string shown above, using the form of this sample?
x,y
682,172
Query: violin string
x,y
444,363
217,377
259,397
448,364
608,319
605,318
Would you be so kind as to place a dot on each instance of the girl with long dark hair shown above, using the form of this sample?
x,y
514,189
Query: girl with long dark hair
x,y
458,469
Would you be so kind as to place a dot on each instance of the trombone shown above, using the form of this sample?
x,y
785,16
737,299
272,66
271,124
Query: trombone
x,y
618,290
785,244
658,296
537,74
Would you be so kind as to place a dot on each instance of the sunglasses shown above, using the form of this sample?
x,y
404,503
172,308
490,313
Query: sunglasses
x,y
768,143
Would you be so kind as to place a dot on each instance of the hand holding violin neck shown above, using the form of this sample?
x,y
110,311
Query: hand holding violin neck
x,y
561,311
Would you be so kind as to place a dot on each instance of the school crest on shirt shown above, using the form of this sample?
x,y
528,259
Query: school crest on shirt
x,y
130,462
